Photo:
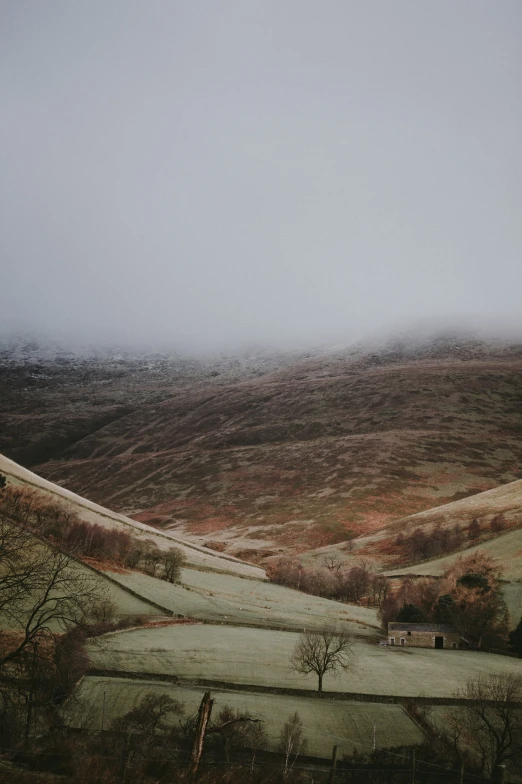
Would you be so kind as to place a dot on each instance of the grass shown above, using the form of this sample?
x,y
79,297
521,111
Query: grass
x,y
261,658
231,599
349,725
125,603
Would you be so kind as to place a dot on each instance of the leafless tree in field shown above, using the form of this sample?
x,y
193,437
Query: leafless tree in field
x,y
326,650
333,563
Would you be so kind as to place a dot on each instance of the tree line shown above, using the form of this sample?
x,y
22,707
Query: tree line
x,y
50,604
332,579
468,596
421,544
59,524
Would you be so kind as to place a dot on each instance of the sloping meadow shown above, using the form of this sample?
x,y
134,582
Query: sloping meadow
x,y
206,595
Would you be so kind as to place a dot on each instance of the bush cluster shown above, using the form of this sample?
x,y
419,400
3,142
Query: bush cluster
x,y
332,580
468,597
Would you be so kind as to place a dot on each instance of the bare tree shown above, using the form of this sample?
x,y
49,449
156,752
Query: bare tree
x,y
42,591
333,563
172,562
292,742
327,650
138,733
489,725
234,730
255,738
152,558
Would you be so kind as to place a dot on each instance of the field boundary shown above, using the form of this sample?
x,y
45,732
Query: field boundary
x,y
273,628
125,588
344,696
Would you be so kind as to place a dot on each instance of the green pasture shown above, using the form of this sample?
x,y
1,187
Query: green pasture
x,y
227,598
261,658
349,725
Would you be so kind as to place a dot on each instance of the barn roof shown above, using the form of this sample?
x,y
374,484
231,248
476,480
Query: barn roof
x,y
420,627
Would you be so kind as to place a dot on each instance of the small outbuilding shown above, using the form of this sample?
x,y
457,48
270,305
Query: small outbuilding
x,y
425,635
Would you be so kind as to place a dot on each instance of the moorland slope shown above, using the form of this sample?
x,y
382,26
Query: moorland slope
x,y
294,453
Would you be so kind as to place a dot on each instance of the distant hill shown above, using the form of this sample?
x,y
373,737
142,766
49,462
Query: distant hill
x,y
293,454
483,508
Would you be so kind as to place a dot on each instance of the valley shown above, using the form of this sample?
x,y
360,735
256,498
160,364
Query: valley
x,y
273,455
325,461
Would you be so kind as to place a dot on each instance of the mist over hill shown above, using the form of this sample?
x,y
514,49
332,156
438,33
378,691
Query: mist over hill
x,y
271,452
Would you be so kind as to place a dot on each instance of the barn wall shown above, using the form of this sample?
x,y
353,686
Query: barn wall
x,y
423,639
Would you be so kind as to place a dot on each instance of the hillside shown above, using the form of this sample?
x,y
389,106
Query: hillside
x,y
213,587
483,507
298,453
195,555
236,638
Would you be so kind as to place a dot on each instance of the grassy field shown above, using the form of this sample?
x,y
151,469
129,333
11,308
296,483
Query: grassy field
x,y
513,598
223,597
349,725
261,658
506,499
125,604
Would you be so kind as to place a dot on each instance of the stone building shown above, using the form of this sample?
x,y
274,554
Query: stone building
x,y
425,635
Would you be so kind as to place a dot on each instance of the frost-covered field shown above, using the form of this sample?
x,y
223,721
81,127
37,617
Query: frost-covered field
x,y
513,597
223,597
349,725
124,602
261,658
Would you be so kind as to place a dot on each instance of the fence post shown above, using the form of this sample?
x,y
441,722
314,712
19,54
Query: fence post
x,y
205,710
499,774
413,767
331,777
461,780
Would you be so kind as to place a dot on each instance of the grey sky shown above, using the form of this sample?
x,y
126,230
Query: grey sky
x,y
212,173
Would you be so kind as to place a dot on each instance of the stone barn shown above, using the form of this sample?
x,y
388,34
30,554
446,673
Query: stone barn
x,y
425,635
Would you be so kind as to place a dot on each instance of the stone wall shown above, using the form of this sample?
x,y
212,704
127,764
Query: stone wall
x,y
417,639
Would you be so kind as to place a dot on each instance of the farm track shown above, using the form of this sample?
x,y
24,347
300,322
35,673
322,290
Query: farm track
x,y
390,699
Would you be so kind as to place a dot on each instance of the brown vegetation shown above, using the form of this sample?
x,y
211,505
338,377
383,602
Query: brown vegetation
x,y
333,580
342,442
60,525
